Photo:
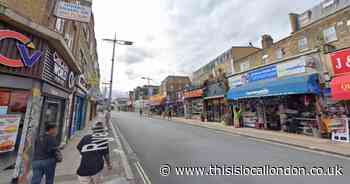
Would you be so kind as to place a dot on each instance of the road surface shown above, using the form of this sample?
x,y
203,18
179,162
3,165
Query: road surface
x,y
156,142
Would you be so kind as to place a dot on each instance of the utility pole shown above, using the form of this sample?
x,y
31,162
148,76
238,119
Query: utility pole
x,y
115,42
148,80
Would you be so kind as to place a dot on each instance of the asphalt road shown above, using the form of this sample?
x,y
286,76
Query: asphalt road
x,y
158,142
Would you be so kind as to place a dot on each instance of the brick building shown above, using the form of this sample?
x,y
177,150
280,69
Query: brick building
x,y
49,70
172,84
224,62
293,73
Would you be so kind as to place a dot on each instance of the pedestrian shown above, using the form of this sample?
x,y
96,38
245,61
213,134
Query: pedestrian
x,y
46,154
92,160
140,112
237,117
169,114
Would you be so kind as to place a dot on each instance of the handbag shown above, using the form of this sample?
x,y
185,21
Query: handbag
x,y
58,155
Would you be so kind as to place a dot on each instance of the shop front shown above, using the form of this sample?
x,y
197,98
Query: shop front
x,y
282,97
193,104
32,94
214,102
338,106
20,67
157,104
80,104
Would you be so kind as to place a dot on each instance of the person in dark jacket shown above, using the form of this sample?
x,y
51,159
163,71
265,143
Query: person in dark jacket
x,y
44,159
92,160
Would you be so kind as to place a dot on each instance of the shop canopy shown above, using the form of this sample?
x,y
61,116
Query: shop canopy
x,y
157,100
293,85
340,88
194,93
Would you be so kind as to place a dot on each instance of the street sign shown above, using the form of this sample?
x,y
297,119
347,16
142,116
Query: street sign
x,y
73,11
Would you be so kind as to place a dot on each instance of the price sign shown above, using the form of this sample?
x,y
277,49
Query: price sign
x,y
341,61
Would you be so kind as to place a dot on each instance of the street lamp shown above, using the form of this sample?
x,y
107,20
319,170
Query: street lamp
x,y
148,79
115,42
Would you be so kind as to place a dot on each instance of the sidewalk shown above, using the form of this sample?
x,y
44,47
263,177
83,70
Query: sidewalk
x,y
66,170
297,140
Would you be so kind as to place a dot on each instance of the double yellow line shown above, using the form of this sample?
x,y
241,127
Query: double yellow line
x,y
142,173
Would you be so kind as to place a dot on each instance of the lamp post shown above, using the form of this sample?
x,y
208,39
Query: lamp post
x,y
148,79
115,42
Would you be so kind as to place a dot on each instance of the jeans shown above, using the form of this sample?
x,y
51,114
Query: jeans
x,y
43,167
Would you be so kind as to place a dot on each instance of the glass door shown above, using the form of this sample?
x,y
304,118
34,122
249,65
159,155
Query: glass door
x,y
52,114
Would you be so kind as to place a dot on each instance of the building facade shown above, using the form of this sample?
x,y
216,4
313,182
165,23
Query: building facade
x,y
224,62
40,73
286,85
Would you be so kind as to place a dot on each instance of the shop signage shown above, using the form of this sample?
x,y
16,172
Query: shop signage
x,y
237,81
194,93
73,11
341,61
60,69
48,89
8,132
291,67
71,80
82,83
340,130
215,90
269,72
23,45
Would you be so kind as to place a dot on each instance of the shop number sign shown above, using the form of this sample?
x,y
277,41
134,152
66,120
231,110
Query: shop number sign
x,y
341,61
340,130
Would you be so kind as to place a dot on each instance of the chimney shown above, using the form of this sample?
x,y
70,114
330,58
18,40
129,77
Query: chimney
x,y
293,17
266,41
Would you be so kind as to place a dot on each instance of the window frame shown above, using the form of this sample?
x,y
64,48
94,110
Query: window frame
x,y
327,31
303,41
244,66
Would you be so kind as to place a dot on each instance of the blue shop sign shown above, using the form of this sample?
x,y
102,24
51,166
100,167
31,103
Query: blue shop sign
x,y
269,72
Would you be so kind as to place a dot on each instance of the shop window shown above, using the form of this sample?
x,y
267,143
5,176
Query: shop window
x,y
59,27
330,34
244,66
303,44
280,53
18,101
4,101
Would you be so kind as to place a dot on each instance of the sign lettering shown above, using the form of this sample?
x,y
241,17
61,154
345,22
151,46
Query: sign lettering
x,y
23,45
341,61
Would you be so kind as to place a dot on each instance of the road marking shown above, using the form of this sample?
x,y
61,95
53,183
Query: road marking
x,y
142,173
125,162
310,149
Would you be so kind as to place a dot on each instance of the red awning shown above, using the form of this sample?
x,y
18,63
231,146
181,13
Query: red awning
x,y
340,88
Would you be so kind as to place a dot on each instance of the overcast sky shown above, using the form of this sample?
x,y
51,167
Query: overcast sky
x,y
178,36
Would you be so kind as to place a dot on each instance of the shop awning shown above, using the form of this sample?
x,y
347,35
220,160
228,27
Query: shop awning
x,y
340,88
294,85
157,100
194,93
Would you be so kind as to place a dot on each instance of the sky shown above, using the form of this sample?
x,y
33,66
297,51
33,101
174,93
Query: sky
x,y
177,37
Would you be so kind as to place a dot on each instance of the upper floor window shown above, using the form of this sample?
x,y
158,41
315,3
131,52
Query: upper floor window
x,y
330,34
69,40
303,44
265,58
244,66
280,53
59,27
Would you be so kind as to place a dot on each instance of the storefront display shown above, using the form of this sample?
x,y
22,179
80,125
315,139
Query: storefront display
x,y
280,97
8,132
193,104
214,102
340,130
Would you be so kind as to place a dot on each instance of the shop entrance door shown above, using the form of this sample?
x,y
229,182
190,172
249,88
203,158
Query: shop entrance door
x,y
53,114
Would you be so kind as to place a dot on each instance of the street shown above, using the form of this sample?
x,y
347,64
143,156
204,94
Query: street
x,y
156,142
